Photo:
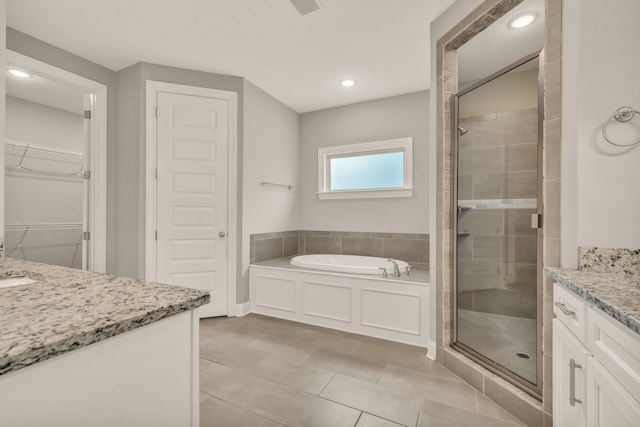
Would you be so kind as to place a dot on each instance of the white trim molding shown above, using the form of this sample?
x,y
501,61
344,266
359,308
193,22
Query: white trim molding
x,y
325,154
96,158
243,309
152,89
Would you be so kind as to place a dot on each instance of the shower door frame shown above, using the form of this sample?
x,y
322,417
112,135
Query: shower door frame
x,y
508,375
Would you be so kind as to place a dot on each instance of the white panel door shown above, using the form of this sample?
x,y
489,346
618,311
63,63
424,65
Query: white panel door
x,y
192,188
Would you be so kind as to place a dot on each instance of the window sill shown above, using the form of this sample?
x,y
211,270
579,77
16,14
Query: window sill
x,y
365,194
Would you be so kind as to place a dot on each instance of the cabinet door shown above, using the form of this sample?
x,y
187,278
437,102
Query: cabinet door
x,y
609,403
569,365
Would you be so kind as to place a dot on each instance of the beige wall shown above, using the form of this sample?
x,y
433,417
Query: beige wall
x,y
271,148
600,202
395,117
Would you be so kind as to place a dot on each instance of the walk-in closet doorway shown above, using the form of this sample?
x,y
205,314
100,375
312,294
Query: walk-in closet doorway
x,y
54,166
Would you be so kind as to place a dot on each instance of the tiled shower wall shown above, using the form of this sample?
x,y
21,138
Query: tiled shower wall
x,y
412,248
497,248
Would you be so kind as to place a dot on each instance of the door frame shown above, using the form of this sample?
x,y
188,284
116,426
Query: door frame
x,y
96,159
152,89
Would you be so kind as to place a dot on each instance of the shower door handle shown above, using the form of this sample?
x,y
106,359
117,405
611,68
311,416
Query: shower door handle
x,y
536,220
572,382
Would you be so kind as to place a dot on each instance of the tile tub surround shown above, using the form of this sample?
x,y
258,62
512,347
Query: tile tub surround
x,y
617,294
67,309
609,260
268,246
410,247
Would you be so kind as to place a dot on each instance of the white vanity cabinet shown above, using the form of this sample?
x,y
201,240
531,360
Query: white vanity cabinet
x,y
144,377
569,383
596,366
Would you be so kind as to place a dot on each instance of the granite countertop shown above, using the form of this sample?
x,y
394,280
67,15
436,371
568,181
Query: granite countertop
x,y
617,294
417,276
68,309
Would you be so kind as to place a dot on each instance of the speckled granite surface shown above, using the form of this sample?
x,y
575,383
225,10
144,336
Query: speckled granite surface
x,y
609,260
417,276
68,309
617,294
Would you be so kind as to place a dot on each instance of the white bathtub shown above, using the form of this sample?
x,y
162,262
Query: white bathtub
x,y
348,263
393,308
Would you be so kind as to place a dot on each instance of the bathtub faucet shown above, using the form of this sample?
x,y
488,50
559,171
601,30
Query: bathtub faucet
x,y
396,270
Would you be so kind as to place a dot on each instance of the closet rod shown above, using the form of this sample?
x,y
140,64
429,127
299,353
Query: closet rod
x,y
21,169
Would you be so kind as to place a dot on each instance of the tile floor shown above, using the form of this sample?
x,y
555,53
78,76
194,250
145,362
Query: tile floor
x,y
262,371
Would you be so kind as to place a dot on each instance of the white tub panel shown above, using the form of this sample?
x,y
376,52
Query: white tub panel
x,y
381,308
391,310
328,301
277,293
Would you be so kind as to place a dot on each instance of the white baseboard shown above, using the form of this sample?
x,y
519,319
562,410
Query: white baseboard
x,y
243,309
431,350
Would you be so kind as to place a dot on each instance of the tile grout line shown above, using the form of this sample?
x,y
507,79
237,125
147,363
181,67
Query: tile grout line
x,y
382,386
362,411
325,386
420,413
358,420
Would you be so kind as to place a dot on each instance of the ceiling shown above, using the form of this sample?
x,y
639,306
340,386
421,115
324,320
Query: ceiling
x,y
300,60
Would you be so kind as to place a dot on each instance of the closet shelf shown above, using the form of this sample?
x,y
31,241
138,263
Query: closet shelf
x,y
40,160
43,226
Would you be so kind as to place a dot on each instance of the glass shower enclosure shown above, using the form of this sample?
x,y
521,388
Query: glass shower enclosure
x,y
497,218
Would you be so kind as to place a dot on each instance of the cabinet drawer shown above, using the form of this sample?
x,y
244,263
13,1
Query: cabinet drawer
x,y
571,310
617,349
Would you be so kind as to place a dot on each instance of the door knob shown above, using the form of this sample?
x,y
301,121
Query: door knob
x,y
222,234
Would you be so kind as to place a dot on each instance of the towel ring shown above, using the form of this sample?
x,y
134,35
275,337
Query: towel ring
x,y
623,114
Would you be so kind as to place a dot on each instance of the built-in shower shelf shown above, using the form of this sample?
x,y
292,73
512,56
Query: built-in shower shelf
x,y
498,204
463,233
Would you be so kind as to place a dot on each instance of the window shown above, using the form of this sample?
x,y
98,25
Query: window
x,y
366,170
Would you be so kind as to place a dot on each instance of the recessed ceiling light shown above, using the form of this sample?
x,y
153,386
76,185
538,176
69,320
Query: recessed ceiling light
x,y
347,82
18,73
523,20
